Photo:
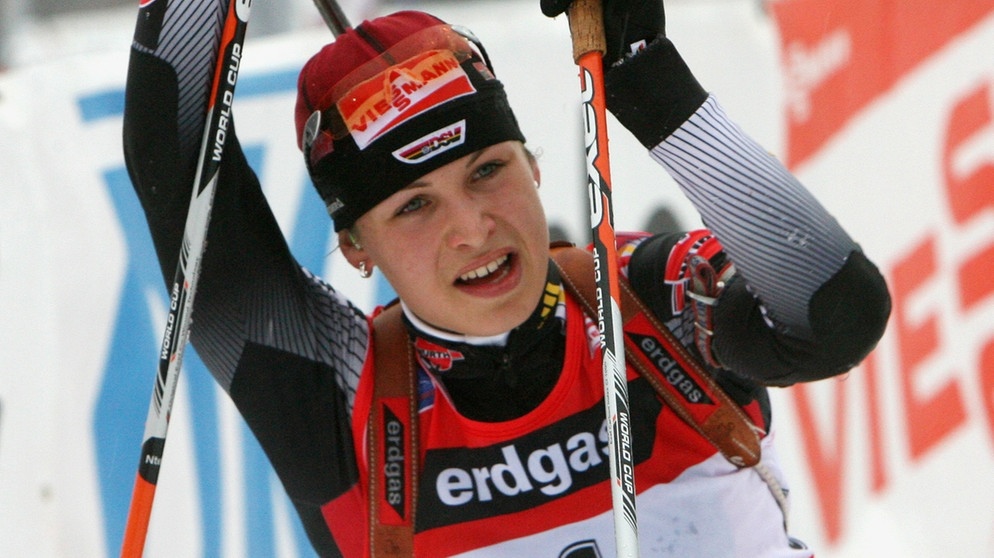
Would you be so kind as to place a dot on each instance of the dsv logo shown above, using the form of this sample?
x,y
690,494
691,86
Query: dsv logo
x,y
435,143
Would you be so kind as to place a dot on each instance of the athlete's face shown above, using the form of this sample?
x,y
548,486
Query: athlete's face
x,y
466,246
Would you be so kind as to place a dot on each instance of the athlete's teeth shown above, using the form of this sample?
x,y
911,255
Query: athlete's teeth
x,y
484,270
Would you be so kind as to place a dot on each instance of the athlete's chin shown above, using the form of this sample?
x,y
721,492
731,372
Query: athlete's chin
x,y
493,313
486,316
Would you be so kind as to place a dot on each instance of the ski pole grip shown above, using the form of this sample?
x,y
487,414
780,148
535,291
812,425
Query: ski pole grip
x,y
586,26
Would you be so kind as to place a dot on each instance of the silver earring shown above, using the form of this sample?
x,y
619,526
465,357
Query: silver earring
x,y
364,271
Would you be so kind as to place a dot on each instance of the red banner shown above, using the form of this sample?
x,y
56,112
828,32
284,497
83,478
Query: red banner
x,y
839,55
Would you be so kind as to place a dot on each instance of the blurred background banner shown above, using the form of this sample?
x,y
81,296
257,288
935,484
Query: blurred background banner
x,y
884,108
838,56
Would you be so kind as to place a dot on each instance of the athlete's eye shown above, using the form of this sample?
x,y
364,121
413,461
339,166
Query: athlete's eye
x,y
412,205
487,169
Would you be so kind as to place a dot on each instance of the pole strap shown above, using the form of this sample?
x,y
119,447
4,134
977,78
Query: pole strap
x,y
676,374
392,438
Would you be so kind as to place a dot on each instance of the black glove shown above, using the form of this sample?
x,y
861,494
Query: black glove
x,y
626,22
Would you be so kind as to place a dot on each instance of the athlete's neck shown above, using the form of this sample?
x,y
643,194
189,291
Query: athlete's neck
x,y
424,327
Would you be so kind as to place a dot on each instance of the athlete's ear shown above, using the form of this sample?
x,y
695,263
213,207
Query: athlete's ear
x,y
533,163
351,248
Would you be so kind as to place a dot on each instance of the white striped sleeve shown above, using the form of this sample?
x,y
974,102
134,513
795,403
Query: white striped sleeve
x,y
782,240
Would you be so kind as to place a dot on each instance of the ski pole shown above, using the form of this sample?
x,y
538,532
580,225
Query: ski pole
x,y
333,16
184,285
587,32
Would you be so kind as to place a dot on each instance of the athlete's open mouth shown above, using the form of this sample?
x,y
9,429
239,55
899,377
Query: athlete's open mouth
x,y
489,272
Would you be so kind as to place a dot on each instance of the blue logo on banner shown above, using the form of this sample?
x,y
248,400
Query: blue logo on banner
x,y
125,391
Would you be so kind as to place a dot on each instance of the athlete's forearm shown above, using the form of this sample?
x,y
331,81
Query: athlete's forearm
x,y
169,74
782,240
822,305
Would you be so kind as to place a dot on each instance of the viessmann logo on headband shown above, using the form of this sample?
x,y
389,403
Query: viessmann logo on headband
x,y
401,93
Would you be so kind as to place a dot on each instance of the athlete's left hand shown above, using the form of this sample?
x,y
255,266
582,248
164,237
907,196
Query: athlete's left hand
x,y
626,24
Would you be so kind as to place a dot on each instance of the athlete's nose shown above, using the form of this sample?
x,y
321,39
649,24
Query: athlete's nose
x,y
470,223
